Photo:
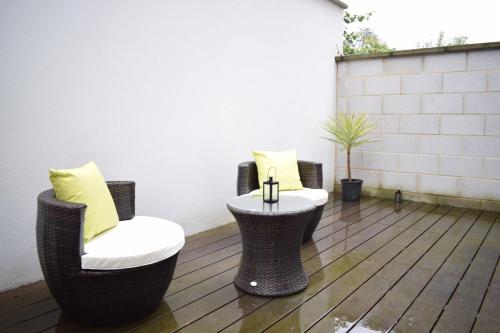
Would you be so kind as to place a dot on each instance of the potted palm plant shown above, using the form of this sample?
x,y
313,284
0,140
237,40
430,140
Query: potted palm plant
x,y
349,130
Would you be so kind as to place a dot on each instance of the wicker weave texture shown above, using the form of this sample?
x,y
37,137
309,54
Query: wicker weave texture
x,y
95,296
270,263
311,176
313,223
123,193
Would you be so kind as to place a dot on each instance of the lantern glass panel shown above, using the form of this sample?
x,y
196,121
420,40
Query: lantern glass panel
x,y
270,190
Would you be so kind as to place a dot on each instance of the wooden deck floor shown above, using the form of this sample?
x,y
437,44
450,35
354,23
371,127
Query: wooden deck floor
x,y
372,269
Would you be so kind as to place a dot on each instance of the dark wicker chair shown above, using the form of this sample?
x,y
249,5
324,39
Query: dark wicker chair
x,y
95,296
311,176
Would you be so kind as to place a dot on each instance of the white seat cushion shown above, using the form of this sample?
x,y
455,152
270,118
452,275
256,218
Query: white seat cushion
x,y
138,242
319,196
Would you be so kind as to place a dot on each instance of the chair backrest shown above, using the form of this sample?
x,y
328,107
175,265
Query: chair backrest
x,y
311,176
59,233
59,226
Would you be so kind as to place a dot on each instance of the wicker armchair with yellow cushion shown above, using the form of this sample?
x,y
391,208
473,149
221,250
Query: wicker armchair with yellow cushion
x,y
311,177
120,274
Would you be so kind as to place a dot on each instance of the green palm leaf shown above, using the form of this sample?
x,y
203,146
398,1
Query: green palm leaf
x,y
349,130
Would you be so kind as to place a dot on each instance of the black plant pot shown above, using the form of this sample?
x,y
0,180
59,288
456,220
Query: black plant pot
x,y
351,190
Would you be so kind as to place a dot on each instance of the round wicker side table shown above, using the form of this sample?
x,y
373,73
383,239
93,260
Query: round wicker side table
x,y
271,236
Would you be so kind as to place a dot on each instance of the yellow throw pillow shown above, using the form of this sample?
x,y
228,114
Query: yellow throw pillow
x,y
287,169
86,185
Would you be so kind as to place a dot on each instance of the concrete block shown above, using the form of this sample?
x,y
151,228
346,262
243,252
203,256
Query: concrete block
x,y
401,104
350,86
491,168
356,159
488,102
342,104
342,69
421,83
484,59
340,173
459,166
492,125
399,143
366,67
395,180
459,202
486,146
462,124
464,81
380,161
440,185
420,197
403,65
381,85
420,124
490,205
370,178
440,144
417,163
386,123
442,103
445,62
494,80
364,104
480,188
377,193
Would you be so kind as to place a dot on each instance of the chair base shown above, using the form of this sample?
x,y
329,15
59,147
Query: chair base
x,y
115,296
313,223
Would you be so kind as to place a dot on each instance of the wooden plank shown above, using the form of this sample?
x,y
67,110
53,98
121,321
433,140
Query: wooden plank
x,y
211,257
346,300
390,307
461,310
35,310
248,303
23,296
35,324
197,243
195,277
189,313
27,312
488,320
343,261
206,237
207,249
426,308
210,236
230,263
346,209
341,246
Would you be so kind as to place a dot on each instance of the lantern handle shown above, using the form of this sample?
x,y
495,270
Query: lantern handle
x,y
275,172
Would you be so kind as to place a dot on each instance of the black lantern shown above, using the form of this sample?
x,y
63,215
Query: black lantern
x,y
398,199
271,188
398,196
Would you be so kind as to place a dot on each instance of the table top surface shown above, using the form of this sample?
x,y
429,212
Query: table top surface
x,y
256,206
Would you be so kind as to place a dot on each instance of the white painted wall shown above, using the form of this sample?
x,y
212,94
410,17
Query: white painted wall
x,y
439,118
171,94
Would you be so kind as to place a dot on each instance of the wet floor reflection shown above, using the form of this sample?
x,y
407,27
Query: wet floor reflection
x,y
352,216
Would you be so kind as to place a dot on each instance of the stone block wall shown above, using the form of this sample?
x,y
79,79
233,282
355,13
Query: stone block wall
x,y
438,114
